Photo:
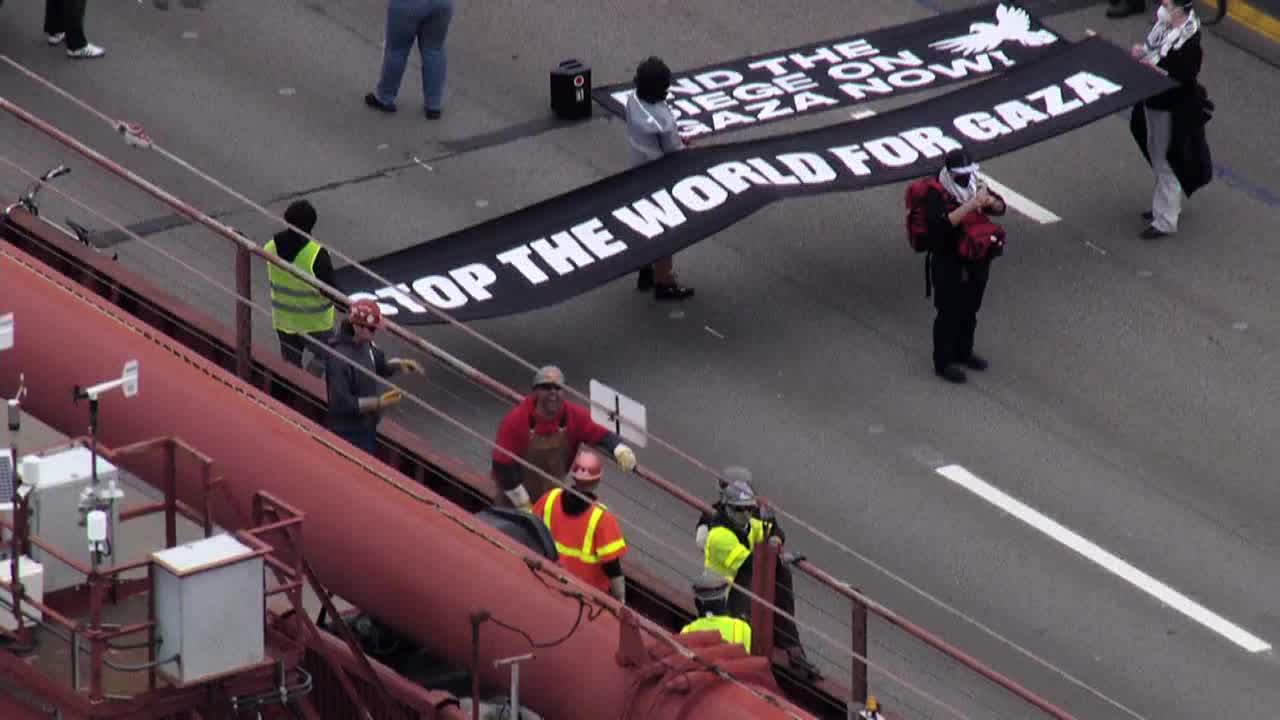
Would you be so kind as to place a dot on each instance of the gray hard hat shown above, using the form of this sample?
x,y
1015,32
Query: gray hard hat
x,y
711,586
737,490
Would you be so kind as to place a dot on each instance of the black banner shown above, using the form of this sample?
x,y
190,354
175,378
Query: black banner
x,y
567,245
940,50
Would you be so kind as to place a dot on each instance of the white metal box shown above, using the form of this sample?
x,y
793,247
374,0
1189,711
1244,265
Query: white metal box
x,y
57,478
31,575
210,608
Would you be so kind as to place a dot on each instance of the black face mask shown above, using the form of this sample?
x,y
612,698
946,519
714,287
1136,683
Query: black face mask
x,y
961,179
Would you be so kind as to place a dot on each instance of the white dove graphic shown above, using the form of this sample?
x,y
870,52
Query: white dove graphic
x,y
1012,23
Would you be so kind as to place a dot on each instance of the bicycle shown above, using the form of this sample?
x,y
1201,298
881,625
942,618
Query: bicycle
x,y
28,203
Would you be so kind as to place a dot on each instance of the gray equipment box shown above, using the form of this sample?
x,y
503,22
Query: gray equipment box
x,y
210,608
57,477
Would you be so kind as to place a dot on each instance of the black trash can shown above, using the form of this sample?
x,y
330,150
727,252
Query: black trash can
x,y
571,90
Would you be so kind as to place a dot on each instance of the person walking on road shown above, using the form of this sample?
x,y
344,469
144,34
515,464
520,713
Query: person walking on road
x,y
298,310
1169,128
545,430
587,536
356,400
64,22
652,134
427,22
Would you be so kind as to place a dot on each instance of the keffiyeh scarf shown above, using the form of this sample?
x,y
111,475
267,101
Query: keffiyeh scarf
x,y
1164,37
961,193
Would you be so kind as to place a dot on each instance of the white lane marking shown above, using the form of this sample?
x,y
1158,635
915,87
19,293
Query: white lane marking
x,y
1022,203
1012,198
713,331
1134,576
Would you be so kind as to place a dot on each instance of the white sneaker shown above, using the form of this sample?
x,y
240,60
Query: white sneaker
x,y
88,51
57,38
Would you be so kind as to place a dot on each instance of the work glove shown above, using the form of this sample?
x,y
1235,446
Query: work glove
x,y
409,365
389,398
790,558
519,498
625,456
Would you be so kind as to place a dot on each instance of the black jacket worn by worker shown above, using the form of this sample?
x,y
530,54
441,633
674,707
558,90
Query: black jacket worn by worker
x,y
1189,109
347,385
958,284
289,243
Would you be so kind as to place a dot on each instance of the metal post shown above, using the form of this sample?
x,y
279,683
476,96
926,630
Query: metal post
x,y
75,660
477,619
244,316
95,638
764,580
514,662
171,495
858,684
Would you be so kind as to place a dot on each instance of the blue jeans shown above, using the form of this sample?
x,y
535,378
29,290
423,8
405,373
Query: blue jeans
x,y
426,21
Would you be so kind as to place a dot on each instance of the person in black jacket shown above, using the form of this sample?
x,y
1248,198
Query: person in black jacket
x,y
353,369
1169,128
958,282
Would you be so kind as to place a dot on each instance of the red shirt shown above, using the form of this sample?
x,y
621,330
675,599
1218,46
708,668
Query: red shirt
x,y
513,433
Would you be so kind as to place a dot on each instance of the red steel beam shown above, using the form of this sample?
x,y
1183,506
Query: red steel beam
x,y
366,516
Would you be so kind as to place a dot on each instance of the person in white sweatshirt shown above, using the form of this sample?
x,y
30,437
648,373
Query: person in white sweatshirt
x,y
651,135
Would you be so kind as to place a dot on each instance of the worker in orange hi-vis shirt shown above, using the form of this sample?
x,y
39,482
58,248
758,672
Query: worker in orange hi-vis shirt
x,y
586,534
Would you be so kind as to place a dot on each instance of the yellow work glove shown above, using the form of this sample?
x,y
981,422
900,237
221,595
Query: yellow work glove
x,y
409,365
389,398
626,457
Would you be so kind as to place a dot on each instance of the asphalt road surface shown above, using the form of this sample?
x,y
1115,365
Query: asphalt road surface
x,y
1115,511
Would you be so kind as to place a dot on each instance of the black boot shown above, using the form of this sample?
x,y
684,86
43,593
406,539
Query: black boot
x,y
950,373
671,291
644,278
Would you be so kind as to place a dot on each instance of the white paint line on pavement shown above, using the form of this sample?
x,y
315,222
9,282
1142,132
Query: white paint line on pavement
x,y
1021,203
1134,576
1012,198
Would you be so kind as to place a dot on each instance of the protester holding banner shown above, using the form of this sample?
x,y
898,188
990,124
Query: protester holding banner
x,y
962,243
1169,128
652,134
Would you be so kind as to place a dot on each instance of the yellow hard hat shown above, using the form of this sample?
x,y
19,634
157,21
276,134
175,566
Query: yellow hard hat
x,y
872,704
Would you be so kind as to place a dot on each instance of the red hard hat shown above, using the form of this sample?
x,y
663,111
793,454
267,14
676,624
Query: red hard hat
x,y
365,313
587,468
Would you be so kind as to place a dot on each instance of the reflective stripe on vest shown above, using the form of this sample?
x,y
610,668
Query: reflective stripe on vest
x,y
296,307
585,553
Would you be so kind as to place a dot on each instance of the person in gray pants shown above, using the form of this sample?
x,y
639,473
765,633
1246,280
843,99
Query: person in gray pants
x,y
426,21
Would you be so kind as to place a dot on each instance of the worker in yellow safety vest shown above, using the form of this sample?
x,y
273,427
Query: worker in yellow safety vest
x,y
711,597
729,537
298,310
